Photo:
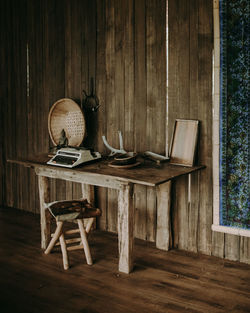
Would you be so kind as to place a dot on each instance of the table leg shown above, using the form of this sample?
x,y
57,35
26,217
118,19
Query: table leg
x,y
45,218
88,192
126,228
163,229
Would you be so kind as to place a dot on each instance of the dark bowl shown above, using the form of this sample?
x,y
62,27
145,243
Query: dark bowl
x,y
126,158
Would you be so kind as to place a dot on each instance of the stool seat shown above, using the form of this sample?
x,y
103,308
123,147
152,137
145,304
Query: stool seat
x,y
71,210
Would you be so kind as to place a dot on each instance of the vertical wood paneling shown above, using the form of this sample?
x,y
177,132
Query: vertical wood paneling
x,y
140,112
88,67
18,89
155,47
10,121
151,214
37,113
2,108
55,59
84,12
194,58
22,132
4,12
152,89
245,250
194,179
73,55
118,111
193,212
218,244
164,231
140,92
232,247
100,74
112,113
140,204
173,91
205,115
182,212
183,112
173,88
70,65
122,45
174,216
155,91
31,121
101,193
190,58
161,57
129,81
179,102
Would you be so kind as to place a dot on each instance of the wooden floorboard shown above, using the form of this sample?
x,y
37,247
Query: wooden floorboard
x,y
174,281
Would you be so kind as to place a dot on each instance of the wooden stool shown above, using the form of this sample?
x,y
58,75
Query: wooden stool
x,y
72,210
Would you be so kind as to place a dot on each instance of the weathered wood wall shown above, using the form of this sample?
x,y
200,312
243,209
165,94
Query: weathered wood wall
x,y
122,45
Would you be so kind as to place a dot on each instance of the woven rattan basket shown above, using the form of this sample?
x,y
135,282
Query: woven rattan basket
x,y
66,114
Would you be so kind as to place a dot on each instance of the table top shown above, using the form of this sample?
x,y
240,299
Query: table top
x,y
147,173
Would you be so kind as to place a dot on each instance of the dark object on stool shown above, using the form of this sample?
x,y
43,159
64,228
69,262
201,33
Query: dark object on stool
x,y
71,210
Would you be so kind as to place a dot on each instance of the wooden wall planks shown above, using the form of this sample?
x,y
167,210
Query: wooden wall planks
x,y
101,91
190,91
122,46
113,63
190,79
205,45
75,66
10,117
140,111
4,53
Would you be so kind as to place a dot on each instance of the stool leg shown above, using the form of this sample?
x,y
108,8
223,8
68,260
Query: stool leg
x,y
55,237
85,242
89,224
64,252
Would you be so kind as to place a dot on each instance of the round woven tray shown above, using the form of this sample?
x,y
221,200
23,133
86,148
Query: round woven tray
x,y
66,114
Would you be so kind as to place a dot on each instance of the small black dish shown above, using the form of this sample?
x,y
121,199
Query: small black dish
x,y
126,158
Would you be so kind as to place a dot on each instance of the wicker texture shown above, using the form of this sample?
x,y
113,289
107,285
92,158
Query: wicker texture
x,y
66,114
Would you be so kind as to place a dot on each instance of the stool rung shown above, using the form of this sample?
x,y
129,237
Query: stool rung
x,y
72,231
71,248
71,240
69,232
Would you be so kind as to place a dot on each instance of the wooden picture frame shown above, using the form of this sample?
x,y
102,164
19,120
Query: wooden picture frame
x,y
184,142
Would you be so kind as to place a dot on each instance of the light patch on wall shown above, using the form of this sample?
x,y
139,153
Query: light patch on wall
x,y
167,83
27,71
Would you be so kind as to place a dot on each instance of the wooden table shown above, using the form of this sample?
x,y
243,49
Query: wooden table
x,y
100,174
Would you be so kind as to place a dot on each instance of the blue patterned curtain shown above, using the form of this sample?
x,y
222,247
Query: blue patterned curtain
x,y
234,113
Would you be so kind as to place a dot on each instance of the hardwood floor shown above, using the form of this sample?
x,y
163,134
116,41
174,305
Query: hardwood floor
x,y
173,281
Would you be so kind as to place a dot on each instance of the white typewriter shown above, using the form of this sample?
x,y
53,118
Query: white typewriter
x,y
71,157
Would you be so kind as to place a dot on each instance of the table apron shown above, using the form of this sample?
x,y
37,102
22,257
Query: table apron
x,y
86,178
